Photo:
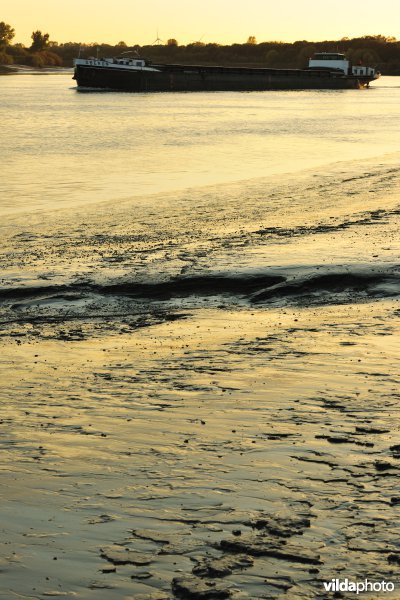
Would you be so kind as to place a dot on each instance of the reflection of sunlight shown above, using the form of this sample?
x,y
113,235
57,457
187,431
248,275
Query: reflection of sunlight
x,y
135,145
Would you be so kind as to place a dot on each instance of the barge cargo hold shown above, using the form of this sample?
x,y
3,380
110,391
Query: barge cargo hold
x,y
325,71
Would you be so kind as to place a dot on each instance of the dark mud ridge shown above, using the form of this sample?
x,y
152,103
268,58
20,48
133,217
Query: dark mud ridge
x,y
317,285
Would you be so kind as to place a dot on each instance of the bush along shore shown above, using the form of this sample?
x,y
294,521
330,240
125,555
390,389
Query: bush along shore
x,y
378,50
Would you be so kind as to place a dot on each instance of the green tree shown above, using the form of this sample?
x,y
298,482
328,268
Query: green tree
x,y
5,59
6,34
304,55
364,56
40,41
172,42
271,58
251,40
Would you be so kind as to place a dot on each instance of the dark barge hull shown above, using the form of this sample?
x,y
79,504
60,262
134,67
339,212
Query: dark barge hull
x,y
179,78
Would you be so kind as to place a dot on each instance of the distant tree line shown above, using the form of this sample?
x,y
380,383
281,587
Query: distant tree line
x,y
377,50
39,54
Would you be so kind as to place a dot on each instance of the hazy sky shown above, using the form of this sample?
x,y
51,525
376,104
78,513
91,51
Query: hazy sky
x,y
225,21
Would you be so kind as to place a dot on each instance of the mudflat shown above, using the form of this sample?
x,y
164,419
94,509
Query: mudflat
x,y
199,343
171,430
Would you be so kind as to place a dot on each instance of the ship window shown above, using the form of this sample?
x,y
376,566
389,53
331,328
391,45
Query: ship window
x,y
329,57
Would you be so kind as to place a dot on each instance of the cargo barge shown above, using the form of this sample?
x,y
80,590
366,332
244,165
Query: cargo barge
x,y
325,71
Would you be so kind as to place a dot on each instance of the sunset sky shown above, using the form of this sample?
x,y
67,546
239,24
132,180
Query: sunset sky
x,y
224,21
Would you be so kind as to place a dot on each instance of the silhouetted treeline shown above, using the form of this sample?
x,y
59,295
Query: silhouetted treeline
x,y
377,51
39,54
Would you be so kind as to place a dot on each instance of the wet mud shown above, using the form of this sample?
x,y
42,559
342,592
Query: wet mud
x,y
192,409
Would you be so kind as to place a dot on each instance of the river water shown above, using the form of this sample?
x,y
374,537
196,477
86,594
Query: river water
x,y
199,341
62,148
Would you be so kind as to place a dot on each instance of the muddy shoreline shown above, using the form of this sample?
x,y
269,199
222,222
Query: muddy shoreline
x,y
202,404
236,454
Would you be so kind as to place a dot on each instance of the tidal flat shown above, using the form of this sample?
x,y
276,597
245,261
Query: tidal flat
x,y
200,386
230,454
199,434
